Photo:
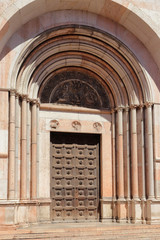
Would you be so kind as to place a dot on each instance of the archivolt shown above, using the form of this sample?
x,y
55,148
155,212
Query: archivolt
x,y
87,49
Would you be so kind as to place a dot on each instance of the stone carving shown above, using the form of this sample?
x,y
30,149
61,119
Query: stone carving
x,y
54,124
77,89
76,125
77,93
97,126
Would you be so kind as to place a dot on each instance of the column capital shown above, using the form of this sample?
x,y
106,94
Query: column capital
x,y
13,92
126,109
24,97
17,95
35,101
141,106
119,109
148,104
134,106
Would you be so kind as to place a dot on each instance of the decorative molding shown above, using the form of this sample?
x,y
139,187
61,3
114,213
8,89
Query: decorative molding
x,y
3,155
97,126
157,159
132,106
76,125
54,124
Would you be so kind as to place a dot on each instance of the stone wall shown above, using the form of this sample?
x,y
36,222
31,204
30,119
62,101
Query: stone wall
x,y
117,42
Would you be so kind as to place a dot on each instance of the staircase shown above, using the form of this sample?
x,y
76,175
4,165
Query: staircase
x,y
81,231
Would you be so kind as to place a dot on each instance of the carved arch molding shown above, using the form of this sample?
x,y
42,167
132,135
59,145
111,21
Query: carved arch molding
x,y
72,87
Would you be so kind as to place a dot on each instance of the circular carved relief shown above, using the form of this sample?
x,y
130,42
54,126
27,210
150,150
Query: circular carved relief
x,y
97,126
76,125
54,124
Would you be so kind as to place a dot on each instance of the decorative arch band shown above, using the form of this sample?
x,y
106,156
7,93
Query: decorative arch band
x,y
118,77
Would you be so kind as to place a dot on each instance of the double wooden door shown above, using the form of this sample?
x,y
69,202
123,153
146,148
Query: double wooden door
x,y
74,177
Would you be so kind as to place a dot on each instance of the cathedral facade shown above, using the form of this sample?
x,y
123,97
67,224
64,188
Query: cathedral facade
x,y
80,105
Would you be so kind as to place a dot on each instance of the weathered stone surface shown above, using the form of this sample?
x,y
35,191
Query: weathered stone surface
x,y
82,67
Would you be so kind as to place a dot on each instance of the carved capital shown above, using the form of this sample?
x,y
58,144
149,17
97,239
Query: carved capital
x,y
76,125
34,101
148,104
141,106
126,109
28,100
17,95
119,109
12,92
24,97
133,106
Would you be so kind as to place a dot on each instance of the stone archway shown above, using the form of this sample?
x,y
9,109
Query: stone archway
x,y
118,107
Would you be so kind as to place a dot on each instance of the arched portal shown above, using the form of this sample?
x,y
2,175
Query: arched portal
x,y
78,79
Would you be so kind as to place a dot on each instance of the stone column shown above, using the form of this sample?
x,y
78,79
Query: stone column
x,y
28,121
113,166
120,163
34,149
11,163
17,148
113,156
134,153
149,151
127,154
38,135
23,185
141,153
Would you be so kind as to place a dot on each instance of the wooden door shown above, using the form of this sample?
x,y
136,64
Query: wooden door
x,y
74,177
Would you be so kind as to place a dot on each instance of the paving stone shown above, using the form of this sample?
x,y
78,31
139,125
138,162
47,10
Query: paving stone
x,y
99,231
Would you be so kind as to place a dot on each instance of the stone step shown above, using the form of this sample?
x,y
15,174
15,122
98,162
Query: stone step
x,y
83,231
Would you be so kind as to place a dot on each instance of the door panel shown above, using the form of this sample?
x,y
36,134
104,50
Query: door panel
x,y
74,177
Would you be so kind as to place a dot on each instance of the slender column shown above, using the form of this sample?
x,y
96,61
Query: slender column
x,y
11,166
134,153
23,187
38,106
28,149
113,156
149,152
127,154
17,148
120,163
34,150
142,157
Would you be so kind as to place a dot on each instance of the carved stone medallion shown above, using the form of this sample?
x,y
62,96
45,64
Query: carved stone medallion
x,y
54,124
97,126
76,125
